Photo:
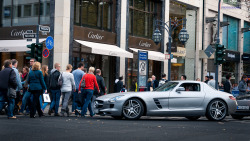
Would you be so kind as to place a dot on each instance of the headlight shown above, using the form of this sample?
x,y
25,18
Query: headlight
x,y
115,98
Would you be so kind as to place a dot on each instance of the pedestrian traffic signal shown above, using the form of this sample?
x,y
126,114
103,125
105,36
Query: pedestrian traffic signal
x,y
38,52
219,54
31,53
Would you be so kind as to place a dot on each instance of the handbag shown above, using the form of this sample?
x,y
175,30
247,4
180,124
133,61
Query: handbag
x,y
83,84
46,98
11,93
60,80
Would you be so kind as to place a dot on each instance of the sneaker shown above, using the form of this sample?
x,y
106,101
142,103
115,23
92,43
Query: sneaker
x,y
14,117
57,115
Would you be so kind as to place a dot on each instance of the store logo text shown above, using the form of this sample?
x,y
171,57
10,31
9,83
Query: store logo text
x,y
146,44
91,35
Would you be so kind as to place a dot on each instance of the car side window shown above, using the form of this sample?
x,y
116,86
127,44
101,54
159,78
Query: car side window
x,y
191,87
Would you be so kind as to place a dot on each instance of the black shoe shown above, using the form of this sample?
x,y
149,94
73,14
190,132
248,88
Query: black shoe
x,y
78,111
32,116
67,111
57,115
49,113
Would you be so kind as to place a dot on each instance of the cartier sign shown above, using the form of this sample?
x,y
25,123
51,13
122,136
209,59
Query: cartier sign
x,y
142,43
16,32
94,35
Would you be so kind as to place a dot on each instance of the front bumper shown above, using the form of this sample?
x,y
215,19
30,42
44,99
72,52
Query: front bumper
x,y
106,108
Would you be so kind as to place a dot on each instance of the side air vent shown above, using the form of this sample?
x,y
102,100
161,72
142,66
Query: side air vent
x,y
158,104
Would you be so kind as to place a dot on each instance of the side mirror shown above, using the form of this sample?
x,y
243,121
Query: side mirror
x,y
178,90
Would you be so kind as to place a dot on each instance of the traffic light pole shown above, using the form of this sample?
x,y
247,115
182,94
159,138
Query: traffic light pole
x,y
218,42
37,28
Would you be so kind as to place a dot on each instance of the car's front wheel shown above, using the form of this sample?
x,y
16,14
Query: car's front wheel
x,y
216,110
133,109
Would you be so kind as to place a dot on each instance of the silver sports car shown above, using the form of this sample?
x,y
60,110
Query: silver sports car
x,y
190,99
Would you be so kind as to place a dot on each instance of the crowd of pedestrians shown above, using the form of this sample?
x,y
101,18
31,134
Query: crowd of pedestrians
x,y
35,81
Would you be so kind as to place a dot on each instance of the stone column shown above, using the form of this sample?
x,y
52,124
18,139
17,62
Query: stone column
x,y
240,49
167,8
199,37
62,33
123,35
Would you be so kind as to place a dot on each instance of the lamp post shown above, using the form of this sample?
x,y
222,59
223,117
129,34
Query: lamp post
x,y
173,24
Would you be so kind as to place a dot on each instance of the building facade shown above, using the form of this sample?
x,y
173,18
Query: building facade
x,y
108,34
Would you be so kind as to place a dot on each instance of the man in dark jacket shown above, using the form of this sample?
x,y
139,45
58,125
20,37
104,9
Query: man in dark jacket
x,y
228,84
119,84
8,79
243,85
101,84
55,89
155,83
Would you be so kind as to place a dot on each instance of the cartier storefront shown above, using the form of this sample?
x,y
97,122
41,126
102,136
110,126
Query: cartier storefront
x,y
154,55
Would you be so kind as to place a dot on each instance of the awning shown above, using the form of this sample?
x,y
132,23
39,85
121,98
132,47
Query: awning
x,y
154,55
16,45
105,49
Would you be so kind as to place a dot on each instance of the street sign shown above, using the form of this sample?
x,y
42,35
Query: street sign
x,y
29,35
29,40
44,28
142,69
45,53
172,56
209,51
49,42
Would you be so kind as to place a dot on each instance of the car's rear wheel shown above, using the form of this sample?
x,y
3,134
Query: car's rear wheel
x,y
133,109
237,117
193,117
117,117
216,110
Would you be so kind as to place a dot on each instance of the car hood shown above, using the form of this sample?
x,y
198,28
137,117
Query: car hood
x,y
129,94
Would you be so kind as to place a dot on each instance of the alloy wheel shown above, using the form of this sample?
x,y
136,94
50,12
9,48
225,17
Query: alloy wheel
x,y
132,109
217,110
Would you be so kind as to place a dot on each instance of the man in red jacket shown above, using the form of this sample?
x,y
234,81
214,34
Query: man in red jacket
x,y
88,90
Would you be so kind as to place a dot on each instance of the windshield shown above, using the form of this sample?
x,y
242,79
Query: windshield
x,y
167,86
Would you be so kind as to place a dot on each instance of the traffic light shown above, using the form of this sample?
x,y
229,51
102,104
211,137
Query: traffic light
x,y
38,52
31,52
219,54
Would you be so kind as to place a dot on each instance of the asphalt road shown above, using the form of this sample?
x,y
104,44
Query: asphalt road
x,y
106,128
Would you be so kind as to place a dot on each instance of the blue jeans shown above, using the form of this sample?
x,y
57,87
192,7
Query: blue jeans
x,y
74,104
26,98
43,105
87,94
56,94
2,99
11,105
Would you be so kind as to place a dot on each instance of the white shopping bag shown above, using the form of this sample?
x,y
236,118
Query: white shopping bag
x,y
46,98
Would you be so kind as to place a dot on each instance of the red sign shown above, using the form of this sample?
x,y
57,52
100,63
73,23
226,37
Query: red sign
x,y
45,53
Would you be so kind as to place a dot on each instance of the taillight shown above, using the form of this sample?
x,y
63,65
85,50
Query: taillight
x,y
232,97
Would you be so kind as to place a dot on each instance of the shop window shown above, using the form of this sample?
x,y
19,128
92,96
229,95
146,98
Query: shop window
x,y
47,9
17,11
235,3
191,87
36,9
93,13
141,17
7,12
246,42
230,33
27,10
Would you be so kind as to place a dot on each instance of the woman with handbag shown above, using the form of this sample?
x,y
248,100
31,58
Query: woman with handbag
x,y
87,85
68,85
45,70
36,88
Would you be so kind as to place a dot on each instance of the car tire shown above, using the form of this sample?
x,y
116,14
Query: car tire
x,y
117,117
216,110
237,117
193,118
132,109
